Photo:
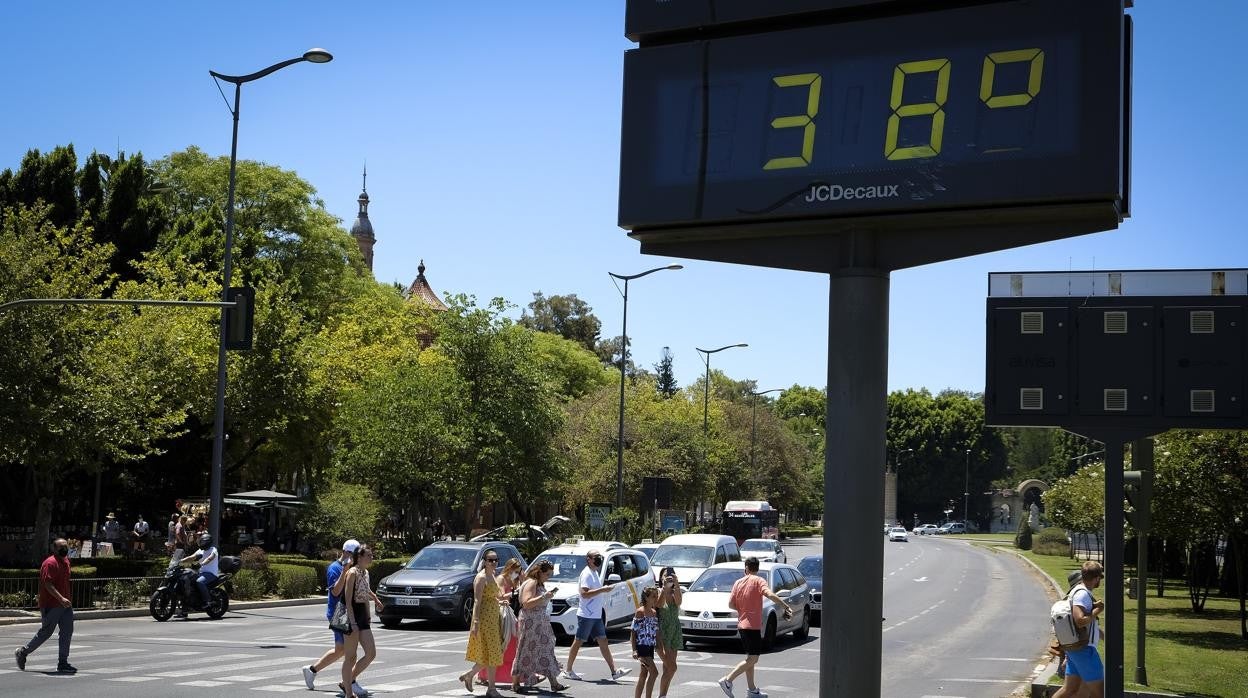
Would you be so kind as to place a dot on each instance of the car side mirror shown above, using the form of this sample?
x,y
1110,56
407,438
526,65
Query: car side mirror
x,y
613,579
784,593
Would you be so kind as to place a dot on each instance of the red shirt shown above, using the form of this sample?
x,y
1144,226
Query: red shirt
x,y
747,597
55,570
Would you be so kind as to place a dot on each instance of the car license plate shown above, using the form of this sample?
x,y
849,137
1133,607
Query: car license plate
x,y
816,606
703,625
403,601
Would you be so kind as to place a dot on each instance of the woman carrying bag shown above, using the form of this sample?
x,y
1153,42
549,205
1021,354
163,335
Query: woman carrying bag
x,y
485,639
509,582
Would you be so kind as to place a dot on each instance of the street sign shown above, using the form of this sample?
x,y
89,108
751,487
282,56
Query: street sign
x,y
1133,352
941,133
596,515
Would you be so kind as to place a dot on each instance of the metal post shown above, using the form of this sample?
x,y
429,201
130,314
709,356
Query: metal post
x,y
218,430
1141,459
849,655
1111,590
966,491
619,459
753,428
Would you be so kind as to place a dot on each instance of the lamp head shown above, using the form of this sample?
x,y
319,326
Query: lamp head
x,y
317,55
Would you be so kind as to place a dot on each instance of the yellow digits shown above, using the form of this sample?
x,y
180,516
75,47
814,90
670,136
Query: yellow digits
x,y
1034,75
941,67
806,121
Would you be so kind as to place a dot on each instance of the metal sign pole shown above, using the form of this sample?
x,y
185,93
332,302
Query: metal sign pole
x,y
853,491
1111,590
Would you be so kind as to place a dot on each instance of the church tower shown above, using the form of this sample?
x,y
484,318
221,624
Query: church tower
x,y
362,229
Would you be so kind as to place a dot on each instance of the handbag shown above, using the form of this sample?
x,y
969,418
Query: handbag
x,y
509,623
339,620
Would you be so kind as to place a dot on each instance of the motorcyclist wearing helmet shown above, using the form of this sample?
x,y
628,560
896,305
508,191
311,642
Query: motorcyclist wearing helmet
x,y
209,566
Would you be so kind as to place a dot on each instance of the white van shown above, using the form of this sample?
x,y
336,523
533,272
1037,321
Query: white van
x,y
626,568
690,553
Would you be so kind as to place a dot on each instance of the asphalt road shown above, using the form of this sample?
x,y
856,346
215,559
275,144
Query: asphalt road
x,y
953,629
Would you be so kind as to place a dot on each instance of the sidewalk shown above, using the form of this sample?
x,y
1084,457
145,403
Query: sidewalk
x,y
33,616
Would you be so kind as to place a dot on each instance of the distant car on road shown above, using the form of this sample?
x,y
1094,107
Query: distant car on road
x,y
765,549
925,530
898,534
811,568
953,527
647,548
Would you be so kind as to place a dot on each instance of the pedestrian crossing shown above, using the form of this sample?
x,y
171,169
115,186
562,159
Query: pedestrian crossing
x,y
213,671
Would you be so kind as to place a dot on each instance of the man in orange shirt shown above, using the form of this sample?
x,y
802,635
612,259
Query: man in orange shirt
x,y
55,607
746,599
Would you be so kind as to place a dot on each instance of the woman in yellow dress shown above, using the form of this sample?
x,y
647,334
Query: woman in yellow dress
x,y
485,639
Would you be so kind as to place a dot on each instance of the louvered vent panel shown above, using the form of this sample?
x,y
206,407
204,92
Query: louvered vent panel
x,y
1115,322
1031,398
1201,322
1115,399
1033,322
1202,400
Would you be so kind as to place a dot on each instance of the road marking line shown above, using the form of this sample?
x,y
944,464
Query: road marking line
x,y
1016,681
1001,659
277,688
204,684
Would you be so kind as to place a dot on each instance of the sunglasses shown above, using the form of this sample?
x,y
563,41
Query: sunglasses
x,y
491,559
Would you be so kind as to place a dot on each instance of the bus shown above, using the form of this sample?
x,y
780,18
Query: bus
x,y
751,519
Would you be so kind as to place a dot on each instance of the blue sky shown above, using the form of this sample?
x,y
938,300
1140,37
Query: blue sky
x,y
491,132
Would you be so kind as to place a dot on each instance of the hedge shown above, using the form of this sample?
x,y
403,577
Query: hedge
x,y
74,572
294,581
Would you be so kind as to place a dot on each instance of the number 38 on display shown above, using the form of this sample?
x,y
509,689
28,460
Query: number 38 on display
x,y
935,109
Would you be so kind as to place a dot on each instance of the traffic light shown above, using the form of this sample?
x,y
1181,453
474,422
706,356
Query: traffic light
x,y
1139,490
238,320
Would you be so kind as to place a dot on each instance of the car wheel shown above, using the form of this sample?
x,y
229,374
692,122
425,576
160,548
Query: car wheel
x,y
769,635
465,613
803,632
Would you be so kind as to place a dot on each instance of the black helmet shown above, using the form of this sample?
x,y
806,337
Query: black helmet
x,y
205,540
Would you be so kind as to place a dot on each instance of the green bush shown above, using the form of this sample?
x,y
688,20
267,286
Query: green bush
x,y
1052,534
75,571
319,567
343,510
381,569
294,581
252,584
119,593
17,599
1022,541
254,558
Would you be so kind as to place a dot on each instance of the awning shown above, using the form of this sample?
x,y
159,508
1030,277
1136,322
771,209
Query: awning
x,y
264,498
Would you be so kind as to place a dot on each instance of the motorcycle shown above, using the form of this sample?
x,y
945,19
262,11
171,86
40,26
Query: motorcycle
x,y
178,589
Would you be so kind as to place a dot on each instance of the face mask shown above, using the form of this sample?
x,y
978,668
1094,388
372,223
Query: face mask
x,y
515,575
62,551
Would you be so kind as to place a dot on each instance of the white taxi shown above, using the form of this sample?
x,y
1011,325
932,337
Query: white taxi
x,y
626,568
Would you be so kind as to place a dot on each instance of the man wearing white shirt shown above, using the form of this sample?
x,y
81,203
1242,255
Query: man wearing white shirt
x,y
209,566
589,624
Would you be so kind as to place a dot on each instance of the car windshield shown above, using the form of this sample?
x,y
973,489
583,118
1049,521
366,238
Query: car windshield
x,y
899,530
721,580
436,558
811,567
567,567
764,545
684,556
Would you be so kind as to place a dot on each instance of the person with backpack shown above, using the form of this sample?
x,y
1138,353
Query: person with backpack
x,y
1078,633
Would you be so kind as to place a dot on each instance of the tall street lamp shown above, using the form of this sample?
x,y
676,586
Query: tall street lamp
x,y
619,460
315,55
706,395
754,420
966,489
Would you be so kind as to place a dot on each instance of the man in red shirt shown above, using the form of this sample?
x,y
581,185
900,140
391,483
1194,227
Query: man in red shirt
x,y
746,598
55,607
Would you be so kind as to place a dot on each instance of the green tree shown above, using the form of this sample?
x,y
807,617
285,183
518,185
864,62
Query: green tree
x,y
567,316
343,510
665,377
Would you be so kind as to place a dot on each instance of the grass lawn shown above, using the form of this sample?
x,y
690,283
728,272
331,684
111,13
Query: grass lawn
x,y
1195,654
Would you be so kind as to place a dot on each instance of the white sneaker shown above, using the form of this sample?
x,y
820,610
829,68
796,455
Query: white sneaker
x,y
726,686
569,674
755,693
619,672
309,677
359,690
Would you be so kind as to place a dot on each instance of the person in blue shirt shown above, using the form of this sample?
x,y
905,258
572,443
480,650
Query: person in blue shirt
x,y
334,579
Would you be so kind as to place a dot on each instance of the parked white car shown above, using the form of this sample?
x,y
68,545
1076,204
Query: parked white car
x,y
898,533
704,612
926,530
691,553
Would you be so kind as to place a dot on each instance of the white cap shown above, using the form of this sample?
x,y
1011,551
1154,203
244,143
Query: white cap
x,y
350,546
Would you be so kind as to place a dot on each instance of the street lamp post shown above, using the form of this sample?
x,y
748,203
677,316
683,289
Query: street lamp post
x,y
315,55
706,395
754,420
619,460
966,489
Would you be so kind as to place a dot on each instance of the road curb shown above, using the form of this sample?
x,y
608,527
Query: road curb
x,y
138,612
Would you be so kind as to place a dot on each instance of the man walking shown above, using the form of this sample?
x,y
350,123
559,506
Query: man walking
x,y
589,625
746,599
54,606
334,582
1084,668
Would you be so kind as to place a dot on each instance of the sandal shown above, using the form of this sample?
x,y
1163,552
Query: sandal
x,y
558,687
466,679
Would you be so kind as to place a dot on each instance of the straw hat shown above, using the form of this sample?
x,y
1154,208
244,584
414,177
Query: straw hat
x,y
110,516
